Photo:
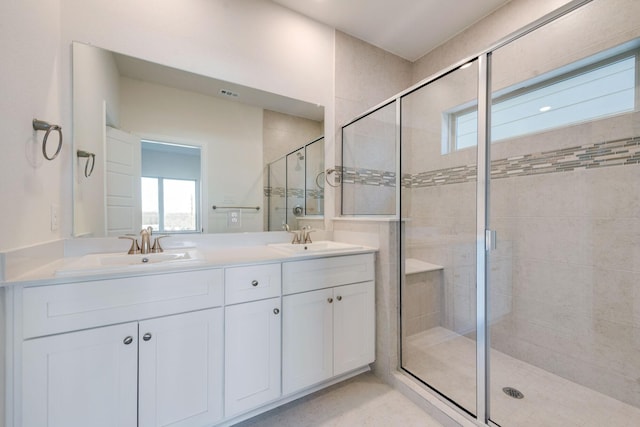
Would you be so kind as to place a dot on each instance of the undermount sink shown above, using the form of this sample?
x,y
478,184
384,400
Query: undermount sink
x,y
324,246
97,263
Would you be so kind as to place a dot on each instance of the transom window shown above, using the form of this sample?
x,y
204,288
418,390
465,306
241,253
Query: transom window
x,y
600,89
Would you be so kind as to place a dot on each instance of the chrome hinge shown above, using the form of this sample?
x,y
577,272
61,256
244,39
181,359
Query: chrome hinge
x,y
490,240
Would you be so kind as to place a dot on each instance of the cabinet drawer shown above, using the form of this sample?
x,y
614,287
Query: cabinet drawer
x,y
303,276
252,283
61,308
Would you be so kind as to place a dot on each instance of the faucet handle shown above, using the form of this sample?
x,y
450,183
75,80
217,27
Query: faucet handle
x,y
156,248
296,237
135,247
307,234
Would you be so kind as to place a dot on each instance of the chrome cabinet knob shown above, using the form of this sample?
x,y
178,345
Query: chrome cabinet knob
x,y
339,298
128,340
146,336
276,310
330,300
254,283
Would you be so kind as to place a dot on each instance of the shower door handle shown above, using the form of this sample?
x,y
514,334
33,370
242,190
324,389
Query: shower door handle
x,y
490,240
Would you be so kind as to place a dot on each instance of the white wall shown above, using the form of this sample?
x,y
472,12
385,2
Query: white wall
x,y
30,88
229,132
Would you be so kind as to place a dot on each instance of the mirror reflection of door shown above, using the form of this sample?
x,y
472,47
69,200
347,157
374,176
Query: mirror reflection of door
x,y
123,210
170,182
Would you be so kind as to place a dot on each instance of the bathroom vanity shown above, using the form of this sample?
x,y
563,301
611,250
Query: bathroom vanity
x,y
202,344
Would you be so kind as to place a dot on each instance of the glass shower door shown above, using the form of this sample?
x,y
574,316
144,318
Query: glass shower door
x,y
565,180
438,205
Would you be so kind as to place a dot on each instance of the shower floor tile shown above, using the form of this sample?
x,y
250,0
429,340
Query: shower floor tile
x,y
446,361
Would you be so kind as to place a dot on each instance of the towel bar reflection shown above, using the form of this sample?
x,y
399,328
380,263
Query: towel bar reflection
x,y
91,158
48,128
257,208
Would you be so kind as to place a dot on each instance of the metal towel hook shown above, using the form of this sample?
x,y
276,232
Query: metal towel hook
x,y
91,158
48,128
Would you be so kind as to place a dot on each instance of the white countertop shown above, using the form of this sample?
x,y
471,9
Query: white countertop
x,y
211,258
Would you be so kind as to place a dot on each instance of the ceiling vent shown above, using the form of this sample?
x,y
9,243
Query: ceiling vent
x,y
227,92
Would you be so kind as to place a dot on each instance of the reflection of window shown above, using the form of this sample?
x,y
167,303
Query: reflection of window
x,y
169,204
170,187
598,90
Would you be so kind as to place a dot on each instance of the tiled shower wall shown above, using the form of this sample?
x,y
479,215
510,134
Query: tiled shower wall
x,y
563,280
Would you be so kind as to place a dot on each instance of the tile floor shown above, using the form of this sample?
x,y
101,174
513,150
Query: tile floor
x,y
361,401
446,361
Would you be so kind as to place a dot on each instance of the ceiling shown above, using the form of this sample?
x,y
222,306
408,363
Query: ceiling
x,y
139,69
407,28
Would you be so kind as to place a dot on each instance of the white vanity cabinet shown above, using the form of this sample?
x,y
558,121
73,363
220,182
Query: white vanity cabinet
x,y
197,348
252,337
180,369
161,371
328,331
81,378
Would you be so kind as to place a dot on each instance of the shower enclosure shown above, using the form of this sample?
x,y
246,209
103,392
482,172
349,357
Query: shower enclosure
x,y
520,231
295,186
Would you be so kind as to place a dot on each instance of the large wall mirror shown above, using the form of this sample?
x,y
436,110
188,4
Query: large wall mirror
x,y
170,145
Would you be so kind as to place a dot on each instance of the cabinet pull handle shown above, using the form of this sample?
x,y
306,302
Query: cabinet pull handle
x,y
339,298
146,336
330,300
254,283
276,311
128,340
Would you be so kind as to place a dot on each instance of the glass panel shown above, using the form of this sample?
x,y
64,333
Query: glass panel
x,y
150,205
563,282
314,158
277,194
438,202
295,187
179,205
369,164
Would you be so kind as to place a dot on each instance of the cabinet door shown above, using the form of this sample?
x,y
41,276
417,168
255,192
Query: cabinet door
x,y
307,341
180,369
252,355
353,326
80,379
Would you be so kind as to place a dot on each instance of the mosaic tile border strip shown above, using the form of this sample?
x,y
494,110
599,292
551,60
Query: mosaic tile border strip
x,y
618,152
295,192
274,191
349,175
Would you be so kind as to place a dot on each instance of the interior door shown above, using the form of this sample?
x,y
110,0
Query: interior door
x,y
123,204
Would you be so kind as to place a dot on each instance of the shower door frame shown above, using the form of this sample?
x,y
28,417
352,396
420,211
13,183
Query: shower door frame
x,y
485,238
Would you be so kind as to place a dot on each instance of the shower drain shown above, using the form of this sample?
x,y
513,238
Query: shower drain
x,y
512,392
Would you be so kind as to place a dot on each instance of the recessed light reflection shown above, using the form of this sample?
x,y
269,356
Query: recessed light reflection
x,y
467,65
545,108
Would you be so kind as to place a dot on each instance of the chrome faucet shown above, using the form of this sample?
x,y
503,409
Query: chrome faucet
x,y
145,240
145,246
